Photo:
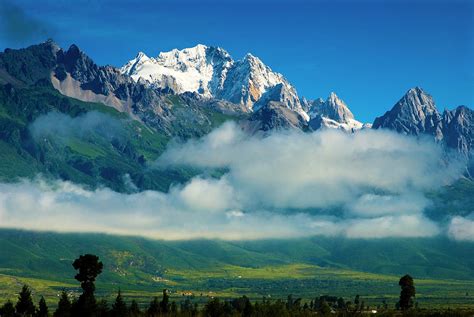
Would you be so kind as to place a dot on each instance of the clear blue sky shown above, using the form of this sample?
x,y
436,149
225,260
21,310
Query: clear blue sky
x,y
368,52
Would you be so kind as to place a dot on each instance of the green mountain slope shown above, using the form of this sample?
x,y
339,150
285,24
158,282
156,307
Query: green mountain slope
x,y
49,254
89,158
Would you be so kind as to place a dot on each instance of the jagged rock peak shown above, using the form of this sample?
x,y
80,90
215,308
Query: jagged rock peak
x,y
333,108
419,99
413,114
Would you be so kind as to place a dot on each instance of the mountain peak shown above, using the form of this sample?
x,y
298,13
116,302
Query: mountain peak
x,y
212,73
190,53
250,56
333,108
141,55
419,101
253,60
416,90
74,48
414,113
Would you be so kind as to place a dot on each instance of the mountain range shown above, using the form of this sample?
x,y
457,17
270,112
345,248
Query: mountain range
x,y
128,117
183,93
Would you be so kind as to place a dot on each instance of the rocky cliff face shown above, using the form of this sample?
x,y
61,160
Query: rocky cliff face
x,y
276,116
458,129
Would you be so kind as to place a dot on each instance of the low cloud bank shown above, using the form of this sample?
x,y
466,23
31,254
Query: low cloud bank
x,y
369,173
288,184
180,214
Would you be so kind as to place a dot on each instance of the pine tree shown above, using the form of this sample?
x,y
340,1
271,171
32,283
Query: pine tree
x,y
103,309
42,308
174,308
7,310
25,306
154,308
119,307
134,310
64,306
164,304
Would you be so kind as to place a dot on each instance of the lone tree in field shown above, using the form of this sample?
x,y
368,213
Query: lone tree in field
x,y
407,293
25,306
89,268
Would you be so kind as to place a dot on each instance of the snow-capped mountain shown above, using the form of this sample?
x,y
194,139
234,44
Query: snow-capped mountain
x,y
199,69
212,73
332,113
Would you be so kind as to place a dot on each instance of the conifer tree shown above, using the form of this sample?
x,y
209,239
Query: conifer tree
x,y
154,308
164,304
102,309
8,309
119,307
64,306
42,308
134,310
25,307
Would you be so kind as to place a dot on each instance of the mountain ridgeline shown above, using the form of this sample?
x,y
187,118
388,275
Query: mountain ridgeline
x,y
179,94
416,114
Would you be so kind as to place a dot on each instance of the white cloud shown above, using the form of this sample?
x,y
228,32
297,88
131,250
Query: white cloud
x,y
404,226
65,207
322,169
287,184
461,228
61,125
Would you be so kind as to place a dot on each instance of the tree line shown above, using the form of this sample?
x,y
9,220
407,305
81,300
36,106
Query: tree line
x,y
89,267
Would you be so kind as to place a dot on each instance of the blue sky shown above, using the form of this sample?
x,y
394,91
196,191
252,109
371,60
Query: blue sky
x,y
368,52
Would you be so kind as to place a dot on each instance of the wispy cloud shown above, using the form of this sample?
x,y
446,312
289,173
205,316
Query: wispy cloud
x,y
61,125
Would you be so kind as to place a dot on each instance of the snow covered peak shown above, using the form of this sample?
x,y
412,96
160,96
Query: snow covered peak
x,y
181,59
333,113
251,58
141,56
212,73
199,69
333,108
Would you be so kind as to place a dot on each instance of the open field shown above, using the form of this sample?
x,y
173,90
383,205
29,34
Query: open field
x,y
301,280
